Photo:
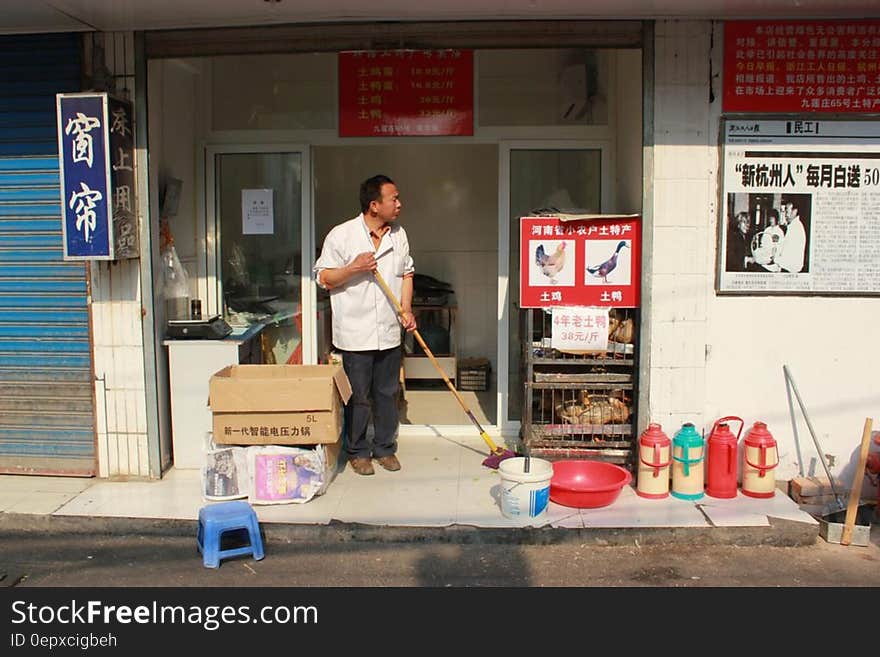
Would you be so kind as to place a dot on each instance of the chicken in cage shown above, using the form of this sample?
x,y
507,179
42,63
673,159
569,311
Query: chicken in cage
x,y
580,403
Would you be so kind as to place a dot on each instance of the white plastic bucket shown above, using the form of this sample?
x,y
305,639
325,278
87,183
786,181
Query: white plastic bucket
x,y
524,494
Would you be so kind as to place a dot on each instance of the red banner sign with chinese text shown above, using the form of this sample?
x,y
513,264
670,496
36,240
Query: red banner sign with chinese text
x,y
406,92
593,262
802,66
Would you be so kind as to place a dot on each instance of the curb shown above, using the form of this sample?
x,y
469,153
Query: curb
x,y
780,532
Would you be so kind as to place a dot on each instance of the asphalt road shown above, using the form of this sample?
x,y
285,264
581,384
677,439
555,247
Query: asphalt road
x,y
522,598
39,559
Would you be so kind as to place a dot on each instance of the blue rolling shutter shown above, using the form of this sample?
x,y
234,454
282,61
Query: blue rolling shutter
x,y
47,414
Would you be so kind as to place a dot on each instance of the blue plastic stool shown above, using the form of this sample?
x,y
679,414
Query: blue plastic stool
x,y
216,519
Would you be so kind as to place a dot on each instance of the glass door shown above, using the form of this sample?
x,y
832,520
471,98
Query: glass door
x,y
564,177
258,240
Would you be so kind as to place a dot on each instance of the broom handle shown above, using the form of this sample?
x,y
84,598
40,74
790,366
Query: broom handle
x,y
430,355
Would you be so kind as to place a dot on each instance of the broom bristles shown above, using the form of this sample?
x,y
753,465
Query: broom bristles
x,y
495,458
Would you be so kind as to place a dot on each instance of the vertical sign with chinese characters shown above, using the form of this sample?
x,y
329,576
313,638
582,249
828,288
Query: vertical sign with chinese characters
x,y
85,176
122,180
96,158
580,262
802,66
406,92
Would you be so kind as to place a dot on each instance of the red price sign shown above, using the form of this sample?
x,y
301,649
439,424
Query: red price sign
x,y
406,92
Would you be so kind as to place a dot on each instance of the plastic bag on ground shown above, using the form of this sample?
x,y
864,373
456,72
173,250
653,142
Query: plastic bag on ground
x,y
284,475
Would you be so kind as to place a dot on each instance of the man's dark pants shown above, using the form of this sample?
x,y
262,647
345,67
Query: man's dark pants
x,y
375,383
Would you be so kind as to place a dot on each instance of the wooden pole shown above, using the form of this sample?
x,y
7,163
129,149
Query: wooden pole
x,y
855,492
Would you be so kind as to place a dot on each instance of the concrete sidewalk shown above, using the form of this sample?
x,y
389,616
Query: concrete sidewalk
x,y
443,494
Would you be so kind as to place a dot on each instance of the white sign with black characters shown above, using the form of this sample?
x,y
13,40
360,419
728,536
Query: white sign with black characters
x,y
800,207
580,329
257,212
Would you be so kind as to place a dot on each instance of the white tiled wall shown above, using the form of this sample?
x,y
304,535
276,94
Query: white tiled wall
x,y
119,385
117,336
684,175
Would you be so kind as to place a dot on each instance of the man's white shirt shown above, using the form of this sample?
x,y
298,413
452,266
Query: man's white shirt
x,y
364,318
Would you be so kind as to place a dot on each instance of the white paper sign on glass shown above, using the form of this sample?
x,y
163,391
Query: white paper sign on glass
x,y
257,213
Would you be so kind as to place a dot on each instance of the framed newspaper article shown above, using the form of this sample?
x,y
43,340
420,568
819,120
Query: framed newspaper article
x,y
799,207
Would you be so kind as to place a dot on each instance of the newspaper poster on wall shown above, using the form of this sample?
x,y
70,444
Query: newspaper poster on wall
x,y
800,207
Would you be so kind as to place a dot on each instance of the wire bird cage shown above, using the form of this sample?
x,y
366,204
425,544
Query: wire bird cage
x,y
579,405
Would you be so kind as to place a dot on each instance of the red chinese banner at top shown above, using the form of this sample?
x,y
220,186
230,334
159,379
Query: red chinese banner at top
x,y
802,66
406,92
593,262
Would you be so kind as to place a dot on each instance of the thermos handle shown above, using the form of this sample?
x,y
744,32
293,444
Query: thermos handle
x,y
728,419
731,461
686,461
655,465
762,469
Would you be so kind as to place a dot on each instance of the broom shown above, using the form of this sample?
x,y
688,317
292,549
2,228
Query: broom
x,y
497,454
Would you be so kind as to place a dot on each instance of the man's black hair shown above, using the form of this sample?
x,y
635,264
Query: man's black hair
x,y
371,190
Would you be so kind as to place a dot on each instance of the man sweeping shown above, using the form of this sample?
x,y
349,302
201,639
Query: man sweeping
x,y
366,325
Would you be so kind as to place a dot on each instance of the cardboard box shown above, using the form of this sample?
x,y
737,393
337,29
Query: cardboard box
x,y
278,404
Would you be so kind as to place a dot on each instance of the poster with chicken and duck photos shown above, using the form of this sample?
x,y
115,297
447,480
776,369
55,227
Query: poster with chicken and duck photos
x,y
584,260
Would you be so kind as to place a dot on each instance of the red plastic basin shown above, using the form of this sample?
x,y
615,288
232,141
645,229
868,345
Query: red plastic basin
x,y
587,484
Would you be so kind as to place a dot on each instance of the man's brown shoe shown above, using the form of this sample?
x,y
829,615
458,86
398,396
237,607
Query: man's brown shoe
x,y
362,466
389,462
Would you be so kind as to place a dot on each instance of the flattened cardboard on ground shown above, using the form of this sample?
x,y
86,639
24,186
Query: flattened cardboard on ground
x,y
278,404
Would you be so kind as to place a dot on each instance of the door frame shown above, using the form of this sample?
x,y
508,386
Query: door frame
x,y
210,287
507,427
